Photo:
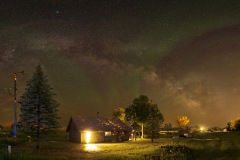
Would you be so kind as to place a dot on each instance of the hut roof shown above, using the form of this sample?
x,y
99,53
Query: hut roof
x,y
97,124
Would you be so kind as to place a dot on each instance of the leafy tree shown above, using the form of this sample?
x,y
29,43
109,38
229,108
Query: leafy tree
x,y
182,122
237,124
234,125
231,126
140,110
155,120
119,113
37,103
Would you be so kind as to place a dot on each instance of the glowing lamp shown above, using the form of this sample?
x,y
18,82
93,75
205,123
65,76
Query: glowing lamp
x,y
202,129
88,137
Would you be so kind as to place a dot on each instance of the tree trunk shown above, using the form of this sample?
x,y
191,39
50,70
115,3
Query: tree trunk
x,y
142,132
152,132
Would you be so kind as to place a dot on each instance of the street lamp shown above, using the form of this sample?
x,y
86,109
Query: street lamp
x,y
14,133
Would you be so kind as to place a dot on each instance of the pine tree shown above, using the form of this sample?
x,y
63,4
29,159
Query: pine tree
x,y
37,103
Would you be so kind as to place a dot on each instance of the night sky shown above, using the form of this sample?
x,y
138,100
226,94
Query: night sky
x,y
100,55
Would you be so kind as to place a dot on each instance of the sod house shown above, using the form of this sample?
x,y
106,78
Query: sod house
x,y
97,129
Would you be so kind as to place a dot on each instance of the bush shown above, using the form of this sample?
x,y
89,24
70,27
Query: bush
x,y
178,151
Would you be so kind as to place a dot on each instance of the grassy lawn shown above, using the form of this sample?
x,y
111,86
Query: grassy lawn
x,y
55,145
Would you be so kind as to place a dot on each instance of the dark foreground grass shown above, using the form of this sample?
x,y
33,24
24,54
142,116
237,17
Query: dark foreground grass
x,y
55,145
217,145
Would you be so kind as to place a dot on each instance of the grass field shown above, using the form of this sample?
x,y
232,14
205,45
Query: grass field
x,y
55,145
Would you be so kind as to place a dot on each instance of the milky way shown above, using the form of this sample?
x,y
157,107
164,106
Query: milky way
x,y
98,56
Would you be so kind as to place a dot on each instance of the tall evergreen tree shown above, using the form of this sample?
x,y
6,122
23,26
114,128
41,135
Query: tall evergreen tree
x,y
37,103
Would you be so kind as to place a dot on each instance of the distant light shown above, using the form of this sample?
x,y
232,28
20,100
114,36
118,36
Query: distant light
x,y
202,129
88,137
15,77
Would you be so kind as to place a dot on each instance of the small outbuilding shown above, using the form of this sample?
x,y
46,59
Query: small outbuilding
x,y
97,129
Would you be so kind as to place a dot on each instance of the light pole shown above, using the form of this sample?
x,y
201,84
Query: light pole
x,y
15,106
38,125
14,132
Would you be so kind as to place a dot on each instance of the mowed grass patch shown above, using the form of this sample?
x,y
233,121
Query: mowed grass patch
x,y
216,145
55,145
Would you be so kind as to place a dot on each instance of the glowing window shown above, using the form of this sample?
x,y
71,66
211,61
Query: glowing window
x,y
107,133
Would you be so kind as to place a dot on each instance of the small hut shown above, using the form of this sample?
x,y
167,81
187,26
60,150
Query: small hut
x,y
97,129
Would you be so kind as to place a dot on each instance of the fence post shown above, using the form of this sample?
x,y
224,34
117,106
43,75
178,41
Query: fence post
x,y
9,149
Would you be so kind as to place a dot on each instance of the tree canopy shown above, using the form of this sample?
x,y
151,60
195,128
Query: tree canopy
x,y
143,111
138,111
234,125
119,113
155,120
183,121
37,103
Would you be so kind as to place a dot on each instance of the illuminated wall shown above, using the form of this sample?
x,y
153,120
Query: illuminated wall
x,y
92,137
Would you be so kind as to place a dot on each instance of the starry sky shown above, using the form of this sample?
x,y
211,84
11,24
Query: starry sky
x,y
100,55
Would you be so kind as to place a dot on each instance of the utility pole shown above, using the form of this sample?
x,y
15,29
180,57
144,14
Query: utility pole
x,y
38,125
15,106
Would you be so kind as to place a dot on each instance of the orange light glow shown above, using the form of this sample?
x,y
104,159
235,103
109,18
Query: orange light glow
x,y
91,147
88,137
15,77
